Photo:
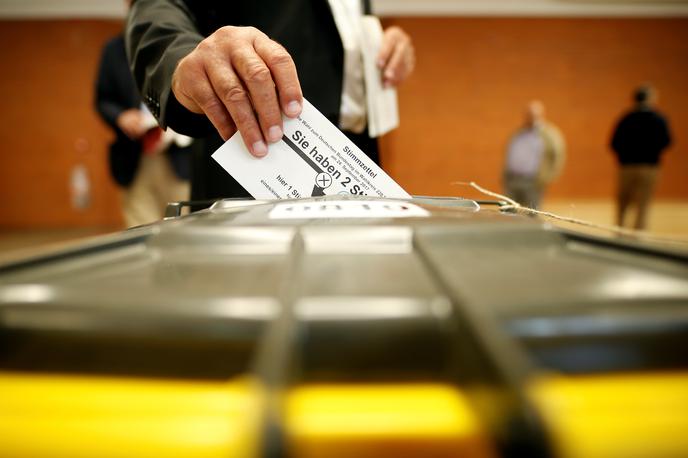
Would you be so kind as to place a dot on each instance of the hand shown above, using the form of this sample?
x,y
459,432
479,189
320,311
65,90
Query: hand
x,y
131,123
397,57
236,76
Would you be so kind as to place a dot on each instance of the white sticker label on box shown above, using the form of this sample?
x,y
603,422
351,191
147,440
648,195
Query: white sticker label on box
x,y
346,209
313,159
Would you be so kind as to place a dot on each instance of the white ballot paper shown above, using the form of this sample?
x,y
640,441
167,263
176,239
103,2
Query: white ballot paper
x,y
314,158
382,106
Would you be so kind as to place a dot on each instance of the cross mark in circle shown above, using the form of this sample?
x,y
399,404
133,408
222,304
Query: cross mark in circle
x,y
324,180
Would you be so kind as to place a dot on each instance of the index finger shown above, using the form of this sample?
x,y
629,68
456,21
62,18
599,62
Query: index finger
x,y
284,74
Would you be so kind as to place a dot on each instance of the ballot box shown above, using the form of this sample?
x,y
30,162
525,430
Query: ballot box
x,y
343,327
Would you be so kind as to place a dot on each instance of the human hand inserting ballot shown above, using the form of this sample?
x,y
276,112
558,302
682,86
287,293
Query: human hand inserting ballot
x,y
240,79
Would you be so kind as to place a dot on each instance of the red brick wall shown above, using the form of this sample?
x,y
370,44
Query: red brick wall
x,y
473,78
475,75
49,124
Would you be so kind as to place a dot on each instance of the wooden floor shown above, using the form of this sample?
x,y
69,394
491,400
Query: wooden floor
x,y
668,219
15,244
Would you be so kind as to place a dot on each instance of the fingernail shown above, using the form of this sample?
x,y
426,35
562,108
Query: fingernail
x,y
274,134
260,149
389,74
293,108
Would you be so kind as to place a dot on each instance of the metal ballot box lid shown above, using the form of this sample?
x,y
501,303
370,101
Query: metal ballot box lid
x,y
337,326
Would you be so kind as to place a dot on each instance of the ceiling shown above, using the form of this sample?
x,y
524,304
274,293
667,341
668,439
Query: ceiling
x,y
533,7
591,8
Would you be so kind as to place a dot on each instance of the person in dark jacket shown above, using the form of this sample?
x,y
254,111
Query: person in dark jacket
x,y
640,138
152,168
210,67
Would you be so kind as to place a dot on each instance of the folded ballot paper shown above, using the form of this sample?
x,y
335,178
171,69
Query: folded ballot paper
x,y
381,102
314,158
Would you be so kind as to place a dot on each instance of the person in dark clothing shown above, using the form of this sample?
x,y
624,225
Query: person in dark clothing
x,y
640,138
211,66
151,168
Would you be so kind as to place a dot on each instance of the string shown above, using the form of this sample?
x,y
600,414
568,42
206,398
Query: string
x,y
514,206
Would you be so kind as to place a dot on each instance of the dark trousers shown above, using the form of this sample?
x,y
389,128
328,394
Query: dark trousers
x,y
210,181
526,191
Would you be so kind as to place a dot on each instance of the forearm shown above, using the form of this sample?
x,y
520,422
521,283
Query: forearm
x,y
159,34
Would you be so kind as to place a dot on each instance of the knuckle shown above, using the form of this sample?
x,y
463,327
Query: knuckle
x,y
208,103
253,32
279,58
186,73
226,31
204,46
258,73
188,63
234,94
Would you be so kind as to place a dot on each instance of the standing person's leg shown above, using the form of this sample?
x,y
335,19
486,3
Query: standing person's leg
x,y
168,187
524,190
139,203
533,194
647,179
179,190
512,189
624,193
